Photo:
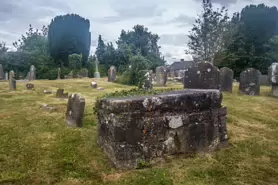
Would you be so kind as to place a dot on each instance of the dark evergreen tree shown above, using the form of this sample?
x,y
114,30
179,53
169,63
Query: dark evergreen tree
x,y
69,34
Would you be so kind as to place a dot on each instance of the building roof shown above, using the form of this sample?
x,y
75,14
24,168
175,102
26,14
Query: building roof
x,y
180,65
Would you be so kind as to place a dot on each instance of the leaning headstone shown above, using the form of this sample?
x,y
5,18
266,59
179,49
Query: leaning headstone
x,y
226,79
202,76
273,78
60,94
249,82
161,76
2,75
32,73
59,73
30,86
75,110
12,81
6,76
112,74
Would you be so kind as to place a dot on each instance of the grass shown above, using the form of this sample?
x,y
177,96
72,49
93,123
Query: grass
x,y
36,146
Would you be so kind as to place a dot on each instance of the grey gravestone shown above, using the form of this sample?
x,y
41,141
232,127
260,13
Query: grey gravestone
x,y
226,79
94,85
6,76
202,76
60,94
75,110
112,74
161,76
59,73
32,73
96,74
30,86
12,81
264,80
47,92
249,82
273,78
145,128
2,74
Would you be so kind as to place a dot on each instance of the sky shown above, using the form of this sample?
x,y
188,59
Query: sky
x,y
170,19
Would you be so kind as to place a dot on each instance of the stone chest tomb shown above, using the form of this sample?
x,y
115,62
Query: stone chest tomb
x,y
136,129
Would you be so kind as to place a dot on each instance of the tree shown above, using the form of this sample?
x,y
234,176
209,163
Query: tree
x,y
250,46
207,36
69,34
100,50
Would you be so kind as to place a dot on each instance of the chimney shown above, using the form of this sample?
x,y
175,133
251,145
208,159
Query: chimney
x,y
182,60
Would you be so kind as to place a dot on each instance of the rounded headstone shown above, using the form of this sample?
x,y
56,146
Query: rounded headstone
x,y
112,74
226,79
249,82
273,78
202,76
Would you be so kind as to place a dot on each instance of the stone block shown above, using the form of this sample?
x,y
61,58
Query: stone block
x,y
146,128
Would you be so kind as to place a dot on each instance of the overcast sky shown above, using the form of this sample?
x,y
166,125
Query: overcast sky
x,y
170,19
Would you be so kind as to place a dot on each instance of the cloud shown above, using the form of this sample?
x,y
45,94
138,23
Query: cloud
x,y
222,2
174,39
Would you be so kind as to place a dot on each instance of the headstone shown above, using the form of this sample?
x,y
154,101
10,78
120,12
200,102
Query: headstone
x,y
47,92
226,79
100,88
96,74
59,73
112,74
161,76
147,83
94,85
249,82
202,76
2,75
32,73
273,78
30,86
60,94
75,110
12,81
6,76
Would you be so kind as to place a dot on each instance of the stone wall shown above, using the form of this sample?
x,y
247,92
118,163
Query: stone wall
x,y
136,129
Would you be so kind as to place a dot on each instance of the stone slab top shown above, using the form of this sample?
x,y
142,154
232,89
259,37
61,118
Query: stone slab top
x,y
188,100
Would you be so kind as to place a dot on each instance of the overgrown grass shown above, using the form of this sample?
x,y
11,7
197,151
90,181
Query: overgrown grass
x,y
37,147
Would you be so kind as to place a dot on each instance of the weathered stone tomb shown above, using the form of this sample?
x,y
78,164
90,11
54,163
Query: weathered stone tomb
x,y
136,129
60,94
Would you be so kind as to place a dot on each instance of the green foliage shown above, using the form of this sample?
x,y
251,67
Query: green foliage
x,y
131,75
207,35
75,61
253,44
69,34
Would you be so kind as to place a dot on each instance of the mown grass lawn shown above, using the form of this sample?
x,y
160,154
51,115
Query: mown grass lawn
x,y
37,147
